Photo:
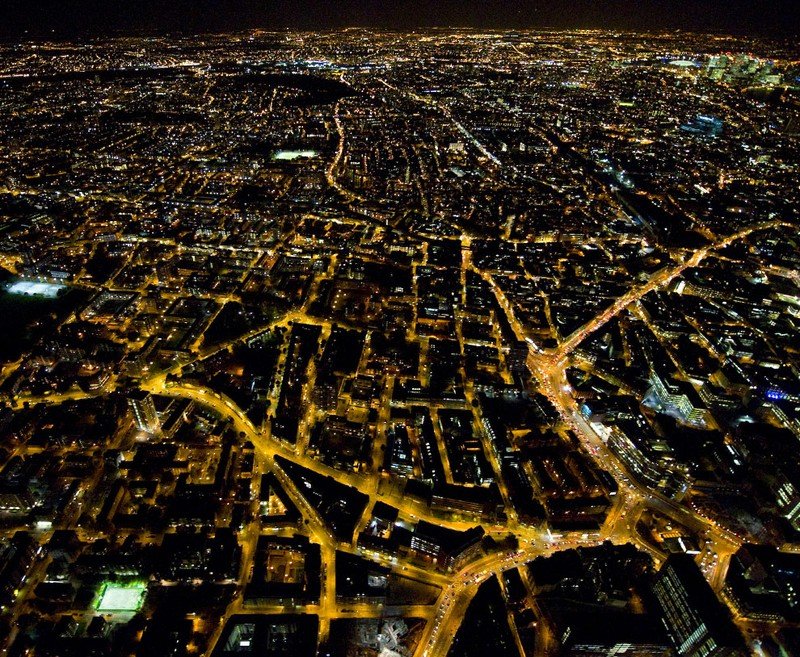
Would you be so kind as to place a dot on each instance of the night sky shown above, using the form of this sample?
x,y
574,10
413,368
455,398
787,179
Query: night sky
x,y
100,17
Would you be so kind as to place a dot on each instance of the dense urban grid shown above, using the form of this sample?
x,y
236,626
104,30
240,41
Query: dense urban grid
x,y
366,344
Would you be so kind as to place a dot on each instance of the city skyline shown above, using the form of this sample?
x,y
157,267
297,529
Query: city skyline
x,y
95,18
381,343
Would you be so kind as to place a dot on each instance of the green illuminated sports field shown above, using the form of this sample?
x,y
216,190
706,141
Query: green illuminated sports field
x,y
121,597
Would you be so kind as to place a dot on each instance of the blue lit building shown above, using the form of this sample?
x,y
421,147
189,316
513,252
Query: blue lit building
x,y
705,126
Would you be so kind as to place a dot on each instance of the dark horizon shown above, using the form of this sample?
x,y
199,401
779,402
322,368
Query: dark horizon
x,y
427,341
100,18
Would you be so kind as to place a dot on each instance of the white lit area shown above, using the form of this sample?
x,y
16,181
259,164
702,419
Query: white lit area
x,y
294,155
36,289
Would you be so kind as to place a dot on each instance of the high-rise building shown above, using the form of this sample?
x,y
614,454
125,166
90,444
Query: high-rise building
x,y
697,623
144,412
